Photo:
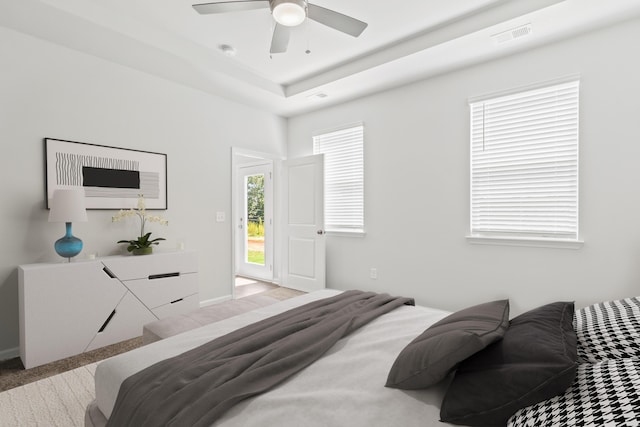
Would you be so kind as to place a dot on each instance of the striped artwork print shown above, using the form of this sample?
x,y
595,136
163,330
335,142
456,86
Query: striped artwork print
x,y
111,177
69,166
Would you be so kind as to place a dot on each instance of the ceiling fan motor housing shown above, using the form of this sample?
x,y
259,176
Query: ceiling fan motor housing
x,y
289,13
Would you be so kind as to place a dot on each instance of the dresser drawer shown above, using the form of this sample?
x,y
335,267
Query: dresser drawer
x,y
123,323
141,267
160,290
181,306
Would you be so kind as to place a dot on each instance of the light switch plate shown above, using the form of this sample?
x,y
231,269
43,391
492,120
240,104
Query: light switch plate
x,y
219,216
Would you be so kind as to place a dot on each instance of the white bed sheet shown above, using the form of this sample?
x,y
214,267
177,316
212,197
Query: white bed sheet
x,y
344,387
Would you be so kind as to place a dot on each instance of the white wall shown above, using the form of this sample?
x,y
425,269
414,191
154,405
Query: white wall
x,y
417,184
50,91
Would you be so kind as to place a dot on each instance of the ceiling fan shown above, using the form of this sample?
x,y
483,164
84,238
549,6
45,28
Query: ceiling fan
x,y
288,13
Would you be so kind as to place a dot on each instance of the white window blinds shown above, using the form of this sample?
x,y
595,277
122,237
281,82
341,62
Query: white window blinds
x,y
343,151
524,164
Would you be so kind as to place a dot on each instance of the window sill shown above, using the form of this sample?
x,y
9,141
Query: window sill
x,y
535,242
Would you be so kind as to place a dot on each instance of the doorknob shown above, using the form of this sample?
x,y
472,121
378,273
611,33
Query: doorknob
x,y
320,232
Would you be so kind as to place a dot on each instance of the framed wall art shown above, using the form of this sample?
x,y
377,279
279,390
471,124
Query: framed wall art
x,y
112,177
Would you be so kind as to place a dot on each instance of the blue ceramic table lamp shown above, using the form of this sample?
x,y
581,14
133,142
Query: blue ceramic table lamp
x,y
68,206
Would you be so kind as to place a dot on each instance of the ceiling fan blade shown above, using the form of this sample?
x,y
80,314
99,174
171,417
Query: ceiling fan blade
x,y
336,20
280,39
230,6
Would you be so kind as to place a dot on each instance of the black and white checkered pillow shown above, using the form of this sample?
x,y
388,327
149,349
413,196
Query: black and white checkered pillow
x,y
608,330
605,394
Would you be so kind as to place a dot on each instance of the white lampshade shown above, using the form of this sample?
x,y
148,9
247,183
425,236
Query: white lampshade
x,y
68,206
290,13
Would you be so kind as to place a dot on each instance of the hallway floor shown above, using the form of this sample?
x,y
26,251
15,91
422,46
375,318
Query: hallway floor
x,y
246,286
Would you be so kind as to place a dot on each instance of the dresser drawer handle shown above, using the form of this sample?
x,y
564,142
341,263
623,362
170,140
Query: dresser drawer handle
x,y
109,273
178,300
163,276
104,325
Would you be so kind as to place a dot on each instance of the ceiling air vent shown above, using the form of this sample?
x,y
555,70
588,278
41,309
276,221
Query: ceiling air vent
x,y
319,95
512,34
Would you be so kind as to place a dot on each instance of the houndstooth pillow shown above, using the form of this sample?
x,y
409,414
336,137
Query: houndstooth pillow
x,y
608,330
605,394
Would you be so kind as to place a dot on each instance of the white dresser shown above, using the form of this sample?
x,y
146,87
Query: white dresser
x,y
69,308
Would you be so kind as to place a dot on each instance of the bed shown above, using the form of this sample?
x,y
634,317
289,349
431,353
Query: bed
x,y
352,383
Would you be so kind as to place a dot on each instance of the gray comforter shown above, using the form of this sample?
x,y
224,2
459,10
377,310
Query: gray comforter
x,y
197,387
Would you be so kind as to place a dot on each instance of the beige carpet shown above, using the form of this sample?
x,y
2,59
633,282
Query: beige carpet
x,y
247,287
57,401
282,293
13,374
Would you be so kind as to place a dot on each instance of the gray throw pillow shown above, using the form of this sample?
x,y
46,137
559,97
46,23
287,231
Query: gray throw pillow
x,y
430,357
535,361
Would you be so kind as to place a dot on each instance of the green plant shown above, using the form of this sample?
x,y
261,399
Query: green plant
x,y
141,242
255,228
144,240
255,196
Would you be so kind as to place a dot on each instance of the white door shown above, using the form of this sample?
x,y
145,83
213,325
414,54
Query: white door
x,y
254,222
303,263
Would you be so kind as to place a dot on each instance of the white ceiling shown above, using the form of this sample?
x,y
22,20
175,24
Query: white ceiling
x,y
405,41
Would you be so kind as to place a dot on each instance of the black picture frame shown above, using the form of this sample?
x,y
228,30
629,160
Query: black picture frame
x,y
112,177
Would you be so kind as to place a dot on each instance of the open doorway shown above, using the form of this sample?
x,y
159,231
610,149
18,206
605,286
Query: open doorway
x,y
300,263
253,223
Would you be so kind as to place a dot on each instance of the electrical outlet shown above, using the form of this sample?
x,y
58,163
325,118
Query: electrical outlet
x,y
219,216
373,273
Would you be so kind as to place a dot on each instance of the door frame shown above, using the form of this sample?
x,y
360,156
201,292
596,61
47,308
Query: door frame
x,y
262,272
237,157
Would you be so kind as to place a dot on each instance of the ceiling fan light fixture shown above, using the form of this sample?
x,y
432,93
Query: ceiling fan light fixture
x,y
289,13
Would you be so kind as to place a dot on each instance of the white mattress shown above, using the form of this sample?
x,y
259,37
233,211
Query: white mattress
x,y
344,387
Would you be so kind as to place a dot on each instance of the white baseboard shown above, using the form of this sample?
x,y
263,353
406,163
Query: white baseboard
x,y
218,300
9,353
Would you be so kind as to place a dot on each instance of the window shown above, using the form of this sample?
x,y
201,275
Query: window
x,y
343,151
524,164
